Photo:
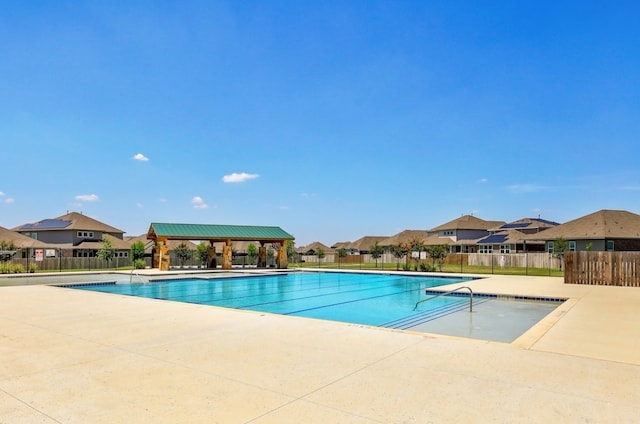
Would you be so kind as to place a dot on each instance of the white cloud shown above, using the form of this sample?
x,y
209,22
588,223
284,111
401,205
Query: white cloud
x,y
483,180
198,203
139,205
284,208
309,195
9,200
140,157
1,193
239,177
87,197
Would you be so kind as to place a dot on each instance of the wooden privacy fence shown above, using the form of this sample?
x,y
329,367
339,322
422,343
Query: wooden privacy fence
x,y
602,268
63,264
516,260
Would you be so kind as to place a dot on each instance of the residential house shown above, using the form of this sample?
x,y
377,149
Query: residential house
x,y
313,248
77,235
514,237
404,237
604,230
24,246
464,233
361,246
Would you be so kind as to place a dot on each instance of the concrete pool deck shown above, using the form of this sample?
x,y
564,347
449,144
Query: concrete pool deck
x,y
73,356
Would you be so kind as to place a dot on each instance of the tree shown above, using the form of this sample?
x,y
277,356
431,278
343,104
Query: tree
x,y
137,254
202,253
560,246
107,251
399,251
252,252
7,250
438,253
417,245
271,254
376,252
342,252
320,254
183,253
291,250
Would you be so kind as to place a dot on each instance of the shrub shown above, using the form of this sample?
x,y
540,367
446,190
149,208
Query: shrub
x,y
32,267
427,267
139,264
17,269
406,267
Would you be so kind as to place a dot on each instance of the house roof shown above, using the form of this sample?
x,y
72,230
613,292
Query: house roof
x,y
603,224
512,236
363,244
468,222
69,221
404,237
314,247
216,232
367,242
527,224
21,241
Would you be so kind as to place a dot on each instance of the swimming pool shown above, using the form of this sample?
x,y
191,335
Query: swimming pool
x,y
371,299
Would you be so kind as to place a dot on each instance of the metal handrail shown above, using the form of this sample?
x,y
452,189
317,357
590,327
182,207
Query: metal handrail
x,y
137,275
449,292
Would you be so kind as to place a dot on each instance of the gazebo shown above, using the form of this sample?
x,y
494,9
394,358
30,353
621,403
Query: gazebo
x,y
161,233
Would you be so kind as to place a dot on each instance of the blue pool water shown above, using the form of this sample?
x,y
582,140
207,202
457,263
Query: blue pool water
x,y
371,299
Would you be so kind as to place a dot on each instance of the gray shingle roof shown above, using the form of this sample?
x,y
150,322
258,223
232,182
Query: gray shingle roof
x,y
468,222
20,240
69,221
598,225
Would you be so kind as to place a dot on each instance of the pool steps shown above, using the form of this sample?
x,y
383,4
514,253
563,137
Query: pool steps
x,y
460,304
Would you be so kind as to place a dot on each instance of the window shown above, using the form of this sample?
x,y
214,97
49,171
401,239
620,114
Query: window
x,y
122,254
572,246
550,247
610,245
486,248
448,233
505,248
32,235
85,234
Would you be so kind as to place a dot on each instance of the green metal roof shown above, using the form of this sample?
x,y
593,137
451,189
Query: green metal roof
x,y
216,232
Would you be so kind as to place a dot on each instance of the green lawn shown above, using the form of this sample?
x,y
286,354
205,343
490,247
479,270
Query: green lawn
x,y
465,269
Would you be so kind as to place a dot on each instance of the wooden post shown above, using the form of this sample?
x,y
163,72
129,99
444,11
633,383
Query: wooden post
x,y
262,256
227,260
161,258
282,260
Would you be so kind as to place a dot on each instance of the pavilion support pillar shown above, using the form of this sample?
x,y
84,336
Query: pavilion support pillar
x,y
281,260
161,259
262,257
212,261
227,256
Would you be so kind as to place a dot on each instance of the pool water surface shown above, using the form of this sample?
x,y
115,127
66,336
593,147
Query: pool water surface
x,y
369,299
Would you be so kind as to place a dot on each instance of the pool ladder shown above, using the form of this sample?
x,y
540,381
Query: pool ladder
x,y
449,292
137,275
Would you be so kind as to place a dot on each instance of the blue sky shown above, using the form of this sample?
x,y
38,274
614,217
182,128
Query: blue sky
x,y
333,120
